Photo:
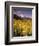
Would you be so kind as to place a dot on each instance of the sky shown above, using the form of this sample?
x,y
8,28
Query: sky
x,y
23,12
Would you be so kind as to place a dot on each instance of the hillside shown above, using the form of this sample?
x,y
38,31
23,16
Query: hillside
x,y
22,26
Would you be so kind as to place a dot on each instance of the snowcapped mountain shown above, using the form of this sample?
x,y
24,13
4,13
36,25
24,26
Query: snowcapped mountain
x,y
21,17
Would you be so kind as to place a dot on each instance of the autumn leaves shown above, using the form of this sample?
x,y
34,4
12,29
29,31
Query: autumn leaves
x,y
22,27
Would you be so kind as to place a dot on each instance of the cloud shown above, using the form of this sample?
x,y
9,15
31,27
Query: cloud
x,y
20,14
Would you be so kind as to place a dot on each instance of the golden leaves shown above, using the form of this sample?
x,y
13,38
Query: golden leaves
x,y
25,25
